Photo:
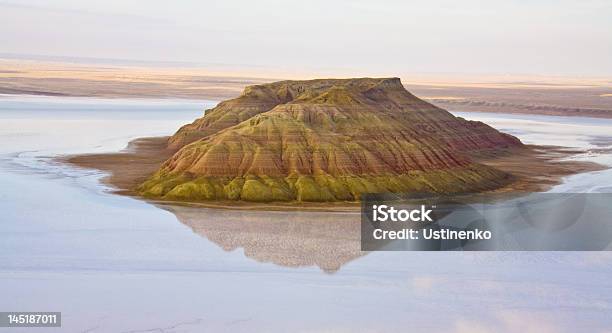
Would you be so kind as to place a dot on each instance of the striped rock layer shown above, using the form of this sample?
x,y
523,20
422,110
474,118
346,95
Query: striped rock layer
x,y
326,140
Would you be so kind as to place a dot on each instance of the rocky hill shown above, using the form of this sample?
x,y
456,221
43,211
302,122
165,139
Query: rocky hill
x,y
326,140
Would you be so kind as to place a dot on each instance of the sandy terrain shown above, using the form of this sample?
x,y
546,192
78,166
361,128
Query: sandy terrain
x,y
508,94
560,100
58,79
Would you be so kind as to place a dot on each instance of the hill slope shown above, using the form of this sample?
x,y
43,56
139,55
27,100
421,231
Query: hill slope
x,y
326,140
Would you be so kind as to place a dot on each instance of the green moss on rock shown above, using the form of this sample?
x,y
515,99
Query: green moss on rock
x,y
326,140
320,188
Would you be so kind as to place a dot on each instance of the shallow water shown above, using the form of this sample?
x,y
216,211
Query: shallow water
x,y
114,264
592,135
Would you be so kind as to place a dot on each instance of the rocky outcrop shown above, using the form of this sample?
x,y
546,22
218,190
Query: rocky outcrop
x,y
326,140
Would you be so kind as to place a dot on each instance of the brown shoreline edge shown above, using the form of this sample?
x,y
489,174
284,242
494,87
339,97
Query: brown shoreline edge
x,y
536,169
326,235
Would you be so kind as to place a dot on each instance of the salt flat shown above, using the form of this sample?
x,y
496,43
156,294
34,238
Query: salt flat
x,y
112,263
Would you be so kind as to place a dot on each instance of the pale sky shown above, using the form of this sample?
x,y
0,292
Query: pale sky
x,y
545,37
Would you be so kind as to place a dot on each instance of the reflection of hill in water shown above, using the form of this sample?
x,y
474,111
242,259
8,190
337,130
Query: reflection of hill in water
x,y
328,240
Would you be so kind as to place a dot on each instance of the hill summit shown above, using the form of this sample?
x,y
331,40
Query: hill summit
x,y
326,140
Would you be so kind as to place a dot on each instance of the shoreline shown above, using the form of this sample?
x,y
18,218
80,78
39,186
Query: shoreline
x,y
557,96
536,169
